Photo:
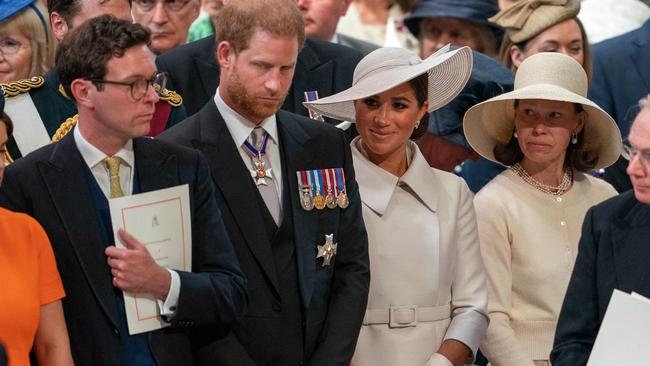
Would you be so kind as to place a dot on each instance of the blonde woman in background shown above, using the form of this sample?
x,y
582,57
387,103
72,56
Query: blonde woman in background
x,y
534,26
27,45
530,216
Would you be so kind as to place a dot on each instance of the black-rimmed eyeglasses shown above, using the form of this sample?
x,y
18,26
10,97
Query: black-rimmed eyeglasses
x,y
140,86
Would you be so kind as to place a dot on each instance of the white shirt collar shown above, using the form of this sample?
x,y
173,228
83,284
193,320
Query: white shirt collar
x,y
240,128
93,156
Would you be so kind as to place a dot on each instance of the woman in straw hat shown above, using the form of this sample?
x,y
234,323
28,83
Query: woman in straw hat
x,y
427,302
534,26
529,216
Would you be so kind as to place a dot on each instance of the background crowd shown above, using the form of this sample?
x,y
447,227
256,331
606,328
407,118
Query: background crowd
x,y
473,178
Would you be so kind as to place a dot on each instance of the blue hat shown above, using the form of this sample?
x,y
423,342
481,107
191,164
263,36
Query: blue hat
x,y
10,7
475,11
489,78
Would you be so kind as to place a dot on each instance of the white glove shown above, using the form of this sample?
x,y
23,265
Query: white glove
x,y
438,360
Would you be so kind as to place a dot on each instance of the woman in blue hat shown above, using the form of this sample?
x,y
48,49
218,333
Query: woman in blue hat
x,y
27,45
436,23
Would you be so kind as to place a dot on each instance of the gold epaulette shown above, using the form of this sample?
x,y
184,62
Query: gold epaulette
x,y
22,86
174,99
65,128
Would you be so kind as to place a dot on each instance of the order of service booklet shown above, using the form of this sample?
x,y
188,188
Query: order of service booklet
x,y
624,335
161,221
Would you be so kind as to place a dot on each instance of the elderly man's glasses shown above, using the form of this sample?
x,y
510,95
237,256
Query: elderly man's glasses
x,y
630,152
174,5
140,86
9,46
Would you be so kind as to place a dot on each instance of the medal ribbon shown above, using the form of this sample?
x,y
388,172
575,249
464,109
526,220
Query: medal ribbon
x,y
316,180
340,177
329,182
253,151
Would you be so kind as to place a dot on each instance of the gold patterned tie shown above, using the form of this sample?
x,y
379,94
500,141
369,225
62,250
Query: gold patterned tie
x,y
113,165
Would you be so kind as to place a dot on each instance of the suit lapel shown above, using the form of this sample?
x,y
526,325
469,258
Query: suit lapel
x,y
311,74
65,180
294,147
641,54
233,180
632,249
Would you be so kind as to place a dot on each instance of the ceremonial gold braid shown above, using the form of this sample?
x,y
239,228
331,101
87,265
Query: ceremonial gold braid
x,y
65,128
22,86
174,99
8,157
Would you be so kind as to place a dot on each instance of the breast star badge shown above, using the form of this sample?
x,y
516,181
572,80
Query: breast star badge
x,y
327,251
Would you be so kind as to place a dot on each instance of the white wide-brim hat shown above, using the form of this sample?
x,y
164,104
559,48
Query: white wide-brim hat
x,y
388,67
547,76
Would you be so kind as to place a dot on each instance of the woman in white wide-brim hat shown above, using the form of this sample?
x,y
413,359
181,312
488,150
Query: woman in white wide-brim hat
x,y
530,216
428,301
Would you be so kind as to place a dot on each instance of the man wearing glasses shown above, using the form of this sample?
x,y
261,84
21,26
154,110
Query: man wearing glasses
x,y
168,20
66,187
613,253
41,108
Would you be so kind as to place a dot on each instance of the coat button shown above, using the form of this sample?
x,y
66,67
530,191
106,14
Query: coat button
x,y
116,332
276,307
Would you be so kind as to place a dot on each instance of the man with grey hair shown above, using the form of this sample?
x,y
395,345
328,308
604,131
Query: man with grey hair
x,y
613,253
168,21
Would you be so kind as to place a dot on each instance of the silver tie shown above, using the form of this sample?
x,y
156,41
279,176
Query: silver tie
x,y
268,191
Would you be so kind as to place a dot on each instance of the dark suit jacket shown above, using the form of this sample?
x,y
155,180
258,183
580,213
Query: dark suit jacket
x,y
358,44
614,252
321,66
621,77
48,185
333,297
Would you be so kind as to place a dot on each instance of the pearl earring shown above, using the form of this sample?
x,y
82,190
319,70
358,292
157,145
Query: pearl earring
x,y
417,124
574,139
515,135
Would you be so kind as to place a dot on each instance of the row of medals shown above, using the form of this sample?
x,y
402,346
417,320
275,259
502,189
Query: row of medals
x,y
308,201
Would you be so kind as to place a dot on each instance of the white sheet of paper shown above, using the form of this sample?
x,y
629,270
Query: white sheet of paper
x,y
161,221
624,336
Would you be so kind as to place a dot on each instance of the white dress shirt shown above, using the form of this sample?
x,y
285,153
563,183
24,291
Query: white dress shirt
x,y
240,129
93,158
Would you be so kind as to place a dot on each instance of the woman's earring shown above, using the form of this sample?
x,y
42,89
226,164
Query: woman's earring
x,y
515,134
574,139
417,124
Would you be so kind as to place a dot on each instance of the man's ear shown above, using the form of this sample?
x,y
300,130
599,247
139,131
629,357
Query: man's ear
x,y
225,54
82,91
59,25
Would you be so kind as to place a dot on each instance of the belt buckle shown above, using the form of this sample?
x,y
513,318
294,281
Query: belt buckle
x,y
399,317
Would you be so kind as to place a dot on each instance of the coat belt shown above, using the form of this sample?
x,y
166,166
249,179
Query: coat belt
x,y
406,315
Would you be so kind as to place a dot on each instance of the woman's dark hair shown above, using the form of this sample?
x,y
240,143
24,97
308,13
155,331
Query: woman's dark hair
x,y
420,86
504,57
4,118
577,156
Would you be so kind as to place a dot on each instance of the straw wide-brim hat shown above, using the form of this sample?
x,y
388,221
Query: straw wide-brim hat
x,y
388,67
547,76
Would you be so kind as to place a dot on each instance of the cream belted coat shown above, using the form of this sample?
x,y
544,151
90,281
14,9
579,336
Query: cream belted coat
x,y
425,263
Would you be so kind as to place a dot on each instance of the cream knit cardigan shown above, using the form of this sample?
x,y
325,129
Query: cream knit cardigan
x,y
529,242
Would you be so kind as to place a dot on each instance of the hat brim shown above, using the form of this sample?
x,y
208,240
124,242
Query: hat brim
x,y
448,74
492,122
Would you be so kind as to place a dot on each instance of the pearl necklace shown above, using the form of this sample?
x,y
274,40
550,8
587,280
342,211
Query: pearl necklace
x,y
555,191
